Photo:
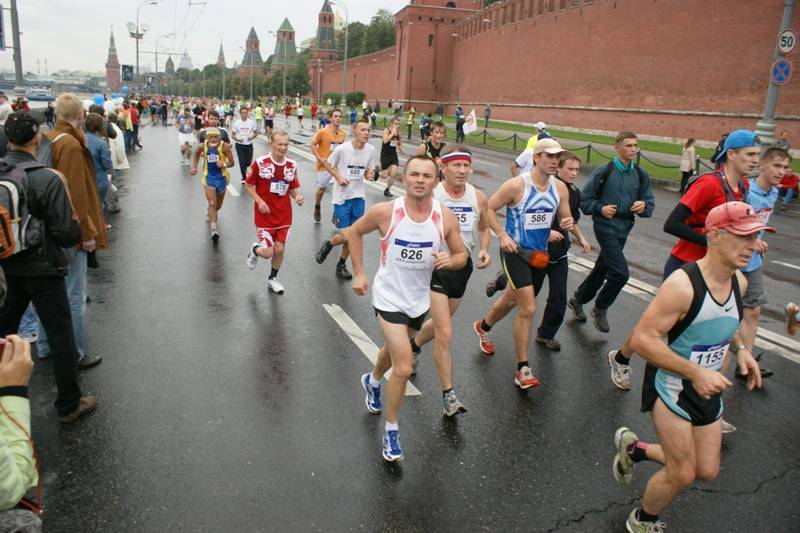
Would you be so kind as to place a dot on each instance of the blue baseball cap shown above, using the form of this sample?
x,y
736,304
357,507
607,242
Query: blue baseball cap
x,y
738,139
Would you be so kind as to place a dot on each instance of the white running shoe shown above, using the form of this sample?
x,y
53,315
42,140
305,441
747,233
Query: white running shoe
x,y
727,427
252,258
620,374
275,286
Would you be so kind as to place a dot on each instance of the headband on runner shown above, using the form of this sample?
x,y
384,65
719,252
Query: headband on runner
x,y
456,156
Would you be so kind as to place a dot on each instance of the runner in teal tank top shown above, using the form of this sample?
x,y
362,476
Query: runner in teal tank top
x,y
698,308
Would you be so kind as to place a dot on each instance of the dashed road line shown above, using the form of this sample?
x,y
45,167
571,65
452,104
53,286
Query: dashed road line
x,y
768,340
765,339
786,264
362,341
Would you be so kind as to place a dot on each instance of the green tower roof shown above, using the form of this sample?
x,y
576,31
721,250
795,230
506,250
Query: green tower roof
x,y
286,25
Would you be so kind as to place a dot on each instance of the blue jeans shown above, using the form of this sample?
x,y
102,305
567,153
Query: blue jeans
x,y
29,322
102,190
76,293
788,195
128,136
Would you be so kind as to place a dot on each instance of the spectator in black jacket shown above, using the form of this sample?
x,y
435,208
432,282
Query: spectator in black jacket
x,y
37,274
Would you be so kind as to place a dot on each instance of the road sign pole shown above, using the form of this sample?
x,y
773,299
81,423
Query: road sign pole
x,y
765,128
19,85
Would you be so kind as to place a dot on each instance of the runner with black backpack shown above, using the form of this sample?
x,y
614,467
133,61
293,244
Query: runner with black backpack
x,y
37,220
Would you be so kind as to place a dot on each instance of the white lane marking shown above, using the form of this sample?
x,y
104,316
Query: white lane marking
x,y
362,341
786,264
769,340
233,191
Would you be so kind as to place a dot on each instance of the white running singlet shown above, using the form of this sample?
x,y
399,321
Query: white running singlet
x,y
403,279
465,209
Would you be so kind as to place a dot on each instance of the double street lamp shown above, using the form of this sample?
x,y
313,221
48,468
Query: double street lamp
x,y
138,32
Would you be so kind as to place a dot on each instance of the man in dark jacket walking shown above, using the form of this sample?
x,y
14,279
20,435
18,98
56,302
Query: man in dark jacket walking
x,y
613,197
37,274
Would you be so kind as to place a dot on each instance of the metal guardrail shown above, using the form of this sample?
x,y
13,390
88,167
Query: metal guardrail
x,y
517,140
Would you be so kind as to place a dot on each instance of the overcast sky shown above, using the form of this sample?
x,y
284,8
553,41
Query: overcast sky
x,y
73,34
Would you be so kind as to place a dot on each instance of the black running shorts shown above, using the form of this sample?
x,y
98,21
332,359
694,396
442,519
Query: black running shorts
x,y
396,317
452,283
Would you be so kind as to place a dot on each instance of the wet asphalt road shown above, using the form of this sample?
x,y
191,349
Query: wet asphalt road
x,y
225,408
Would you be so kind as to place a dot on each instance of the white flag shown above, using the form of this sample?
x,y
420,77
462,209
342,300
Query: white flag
x,y
471,123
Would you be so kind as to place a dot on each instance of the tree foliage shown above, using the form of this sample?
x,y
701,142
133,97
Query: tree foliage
x,y
364,39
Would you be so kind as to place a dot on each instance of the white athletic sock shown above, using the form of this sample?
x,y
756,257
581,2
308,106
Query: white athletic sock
x,y
392,427
373,382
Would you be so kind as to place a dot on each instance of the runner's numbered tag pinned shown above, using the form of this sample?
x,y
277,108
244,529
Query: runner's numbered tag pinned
x,y
279,187
539,218
412,255
355,172
465,216
213,158
709,355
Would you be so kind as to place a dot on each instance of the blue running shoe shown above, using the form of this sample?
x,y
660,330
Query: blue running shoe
x,y
373,399
391,445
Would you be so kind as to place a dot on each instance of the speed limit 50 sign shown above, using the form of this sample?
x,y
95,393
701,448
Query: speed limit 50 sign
x,y
787,41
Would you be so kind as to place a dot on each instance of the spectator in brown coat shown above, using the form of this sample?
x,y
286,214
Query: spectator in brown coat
x,y
72,158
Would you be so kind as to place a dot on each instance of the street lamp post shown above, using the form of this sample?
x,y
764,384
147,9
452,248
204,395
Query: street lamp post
x,y
251,73
765,129
136,33
283,59
346,24
223,75
158,39
19,82
319,81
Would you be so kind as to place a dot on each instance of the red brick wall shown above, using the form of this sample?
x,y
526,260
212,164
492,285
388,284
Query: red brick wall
x,y
629,54
693,55
370,73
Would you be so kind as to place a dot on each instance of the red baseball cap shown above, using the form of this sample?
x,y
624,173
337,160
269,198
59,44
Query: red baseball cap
x,y
736,217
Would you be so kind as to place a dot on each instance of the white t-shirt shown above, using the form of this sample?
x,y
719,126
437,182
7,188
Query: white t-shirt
x,y
525,161
243,130
351,165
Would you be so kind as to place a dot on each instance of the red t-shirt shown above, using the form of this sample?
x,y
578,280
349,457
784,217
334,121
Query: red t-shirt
x,y
287,109
273,182
789,181
704,195
134,115
314,109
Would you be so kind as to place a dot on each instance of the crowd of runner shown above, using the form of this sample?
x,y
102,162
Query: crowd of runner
x,y
704,315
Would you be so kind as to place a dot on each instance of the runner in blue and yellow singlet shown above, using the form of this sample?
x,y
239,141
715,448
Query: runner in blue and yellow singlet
x,y
217,158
